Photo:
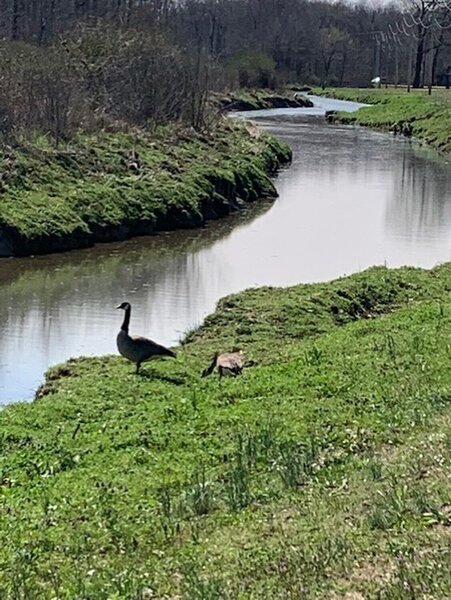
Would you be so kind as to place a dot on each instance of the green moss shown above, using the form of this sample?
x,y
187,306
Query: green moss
x,y
322,471
164,179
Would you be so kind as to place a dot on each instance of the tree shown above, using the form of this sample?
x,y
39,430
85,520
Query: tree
x,y
252,69
426,22
333,43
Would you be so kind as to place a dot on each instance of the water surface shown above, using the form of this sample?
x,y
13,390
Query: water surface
x,y
352,198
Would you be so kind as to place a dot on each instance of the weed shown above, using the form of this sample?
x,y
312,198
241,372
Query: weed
x,y
199,498
237,485
296,462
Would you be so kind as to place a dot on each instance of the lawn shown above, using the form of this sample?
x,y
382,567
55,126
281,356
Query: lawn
x,y
322,472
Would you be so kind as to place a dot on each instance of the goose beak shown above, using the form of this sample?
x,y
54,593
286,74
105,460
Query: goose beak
x,y
120,306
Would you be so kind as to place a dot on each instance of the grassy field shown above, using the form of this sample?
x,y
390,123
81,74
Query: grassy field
x,y
322,472
113,185
372,94
428,116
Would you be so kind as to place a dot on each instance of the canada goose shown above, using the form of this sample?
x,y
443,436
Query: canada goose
x,y
136,348
229,363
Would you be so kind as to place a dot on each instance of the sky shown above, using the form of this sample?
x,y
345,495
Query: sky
x,y
374,3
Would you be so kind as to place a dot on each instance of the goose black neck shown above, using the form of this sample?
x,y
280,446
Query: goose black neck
x,y
210,369
126,321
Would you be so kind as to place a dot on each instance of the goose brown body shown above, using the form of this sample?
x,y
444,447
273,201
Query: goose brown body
x,y
137,349
228,363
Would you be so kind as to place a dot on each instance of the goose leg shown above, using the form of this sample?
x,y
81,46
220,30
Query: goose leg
x,y
138,365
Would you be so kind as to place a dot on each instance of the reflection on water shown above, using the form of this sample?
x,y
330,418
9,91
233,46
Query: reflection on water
x,y
352,198
420,205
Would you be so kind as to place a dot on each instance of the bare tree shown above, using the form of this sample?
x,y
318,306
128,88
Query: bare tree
x,y
427,22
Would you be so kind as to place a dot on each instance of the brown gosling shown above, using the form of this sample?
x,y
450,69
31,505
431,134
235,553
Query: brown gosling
x,y
229,363
136,348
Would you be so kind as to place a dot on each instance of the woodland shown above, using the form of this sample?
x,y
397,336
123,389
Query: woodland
x,y
67,65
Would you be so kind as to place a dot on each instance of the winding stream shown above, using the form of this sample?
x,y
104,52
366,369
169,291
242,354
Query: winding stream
x,y
352,198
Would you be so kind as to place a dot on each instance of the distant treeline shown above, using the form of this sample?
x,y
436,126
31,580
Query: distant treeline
x,y
66,64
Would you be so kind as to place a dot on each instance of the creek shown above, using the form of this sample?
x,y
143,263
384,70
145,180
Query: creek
x,y
352,198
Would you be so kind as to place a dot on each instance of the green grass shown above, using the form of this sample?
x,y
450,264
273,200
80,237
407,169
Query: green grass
x,y
86,191
322,472
429,116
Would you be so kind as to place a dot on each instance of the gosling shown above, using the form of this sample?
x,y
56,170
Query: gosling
x,y
229,363
137,349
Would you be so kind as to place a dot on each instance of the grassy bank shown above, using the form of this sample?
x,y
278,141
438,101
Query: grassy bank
x,y
114,185
259,99
323,472
427,118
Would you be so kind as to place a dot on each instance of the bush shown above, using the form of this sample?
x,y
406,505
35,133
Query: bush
x,y
252,69
37,91
100,77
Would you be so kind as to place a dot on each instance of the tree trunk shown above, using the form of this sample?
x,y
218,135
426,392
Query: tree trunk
x,y
435,58
396,65
15,20
343,67
418,63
